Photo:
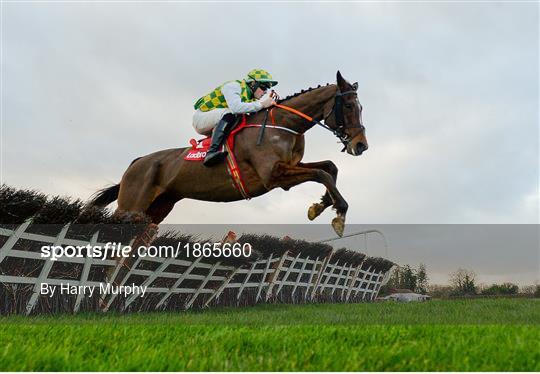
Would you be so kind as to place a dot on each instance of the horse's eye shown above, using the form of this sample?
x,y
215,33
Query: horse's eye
x,y
348,106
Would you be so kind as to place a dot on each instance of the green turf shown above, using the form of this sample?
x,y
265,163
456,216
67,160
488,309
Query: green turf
x,y
474,335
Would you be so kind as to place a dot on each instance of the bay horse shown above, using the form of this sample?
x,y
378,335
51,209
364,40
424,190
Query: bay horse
x,y
154,183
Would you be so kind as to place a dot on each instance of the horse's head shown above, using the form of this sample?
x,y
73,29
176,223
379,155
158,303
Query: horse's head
x,y
344,117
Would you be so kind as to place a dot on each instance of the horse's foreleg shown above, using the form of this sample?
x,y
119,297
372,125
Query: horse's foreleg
x,y
317,208
287,176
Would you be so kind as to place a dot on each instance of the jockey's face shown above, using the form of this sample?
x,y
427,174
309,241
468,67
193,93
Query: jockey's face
x,y
259,92
260,89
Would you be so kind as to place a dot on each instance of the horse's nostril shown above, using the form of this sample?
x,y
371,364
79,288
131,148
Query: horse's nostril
x,y
360,148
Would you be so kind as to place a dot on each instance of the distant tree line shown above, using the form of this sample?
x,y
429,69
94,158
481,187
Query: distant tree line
x,y
463,282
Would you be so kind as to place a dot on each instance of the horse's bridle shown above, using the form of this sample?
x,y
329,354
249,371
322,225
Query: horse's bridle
x,y
337,109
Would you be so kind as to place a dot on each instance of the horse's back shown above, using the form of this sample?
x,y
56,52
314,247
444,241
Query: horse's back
x,y
161,155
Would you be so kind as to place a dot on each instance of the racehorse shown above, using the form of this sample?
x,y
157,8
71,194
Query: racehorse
x,y
154,183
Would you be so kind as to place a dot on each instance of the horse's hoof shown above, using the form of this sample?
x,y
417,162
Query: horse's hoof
x,y
338,224
314,211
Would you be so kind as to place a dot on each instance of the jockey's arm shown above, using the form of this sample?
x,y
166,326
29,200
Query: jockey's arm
x,y
231,91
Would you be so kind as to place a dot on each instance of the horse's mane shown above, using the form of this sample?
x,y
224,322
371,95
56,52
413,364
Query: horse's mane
x,y
301,92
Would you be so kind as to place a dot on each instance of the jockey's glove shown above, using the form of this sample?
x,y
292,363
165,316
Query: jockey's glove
x,y
274,95
267,101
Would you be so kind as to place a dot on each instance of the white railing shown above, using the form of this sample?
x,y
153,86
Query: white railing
x,y
184,284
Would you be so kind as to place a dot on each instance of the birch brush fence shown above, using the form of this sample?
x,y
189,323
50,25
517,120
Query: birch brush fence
x,y
282,271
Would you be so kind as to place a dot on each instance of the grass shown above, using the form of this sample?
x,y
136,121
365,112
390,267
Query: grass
x,y
465,335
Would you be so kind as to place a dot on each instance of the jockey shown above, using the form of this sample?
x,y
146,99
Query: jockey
x,y
218,109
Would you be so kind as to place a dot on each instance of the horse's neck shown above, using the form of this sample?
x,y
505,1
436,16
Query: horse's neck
x,y
311,103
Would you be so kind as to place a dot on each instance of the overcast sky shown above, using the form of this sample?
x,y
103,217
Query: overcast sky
x,y
450,97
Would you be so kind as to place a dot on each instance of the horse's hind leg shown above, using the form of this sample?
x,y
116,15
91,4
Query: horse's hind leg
x,y
317,208
158,210
138,190
161,207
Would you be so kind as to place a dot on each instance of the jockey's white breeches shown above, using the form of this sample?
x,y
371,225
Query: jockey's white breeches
x,y
204,122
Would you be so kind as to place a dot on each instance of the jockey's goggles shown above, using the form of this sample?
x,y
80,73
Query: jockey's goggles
x,y
263,86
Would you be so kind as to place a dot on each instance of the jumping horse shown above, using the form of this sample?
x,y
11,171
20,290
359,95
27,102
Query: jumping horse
x,y
154,183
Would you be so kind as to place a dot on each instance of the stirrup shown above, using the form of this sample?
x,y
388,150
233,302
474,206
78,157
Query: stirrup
x,y
214,158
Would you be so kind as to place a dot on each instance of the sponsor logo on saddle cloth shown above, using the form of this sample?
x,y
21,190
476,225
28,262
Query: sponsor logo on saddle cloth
x,y
198,149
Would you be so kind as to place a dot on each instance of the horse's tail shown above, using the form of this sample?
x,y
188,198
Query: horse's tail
x,y
105,196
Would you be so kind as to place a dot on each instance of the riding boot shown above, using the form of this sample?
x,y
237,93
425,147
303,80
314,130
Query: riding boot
x,y
214,156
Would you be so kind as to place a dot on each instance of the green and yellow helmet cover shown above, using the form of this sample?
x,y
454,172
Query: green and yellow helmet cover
x,y
260,75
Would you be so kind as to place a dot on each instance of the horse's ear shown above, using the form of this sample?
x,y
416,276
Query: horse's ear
x,y
340,81
355,86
